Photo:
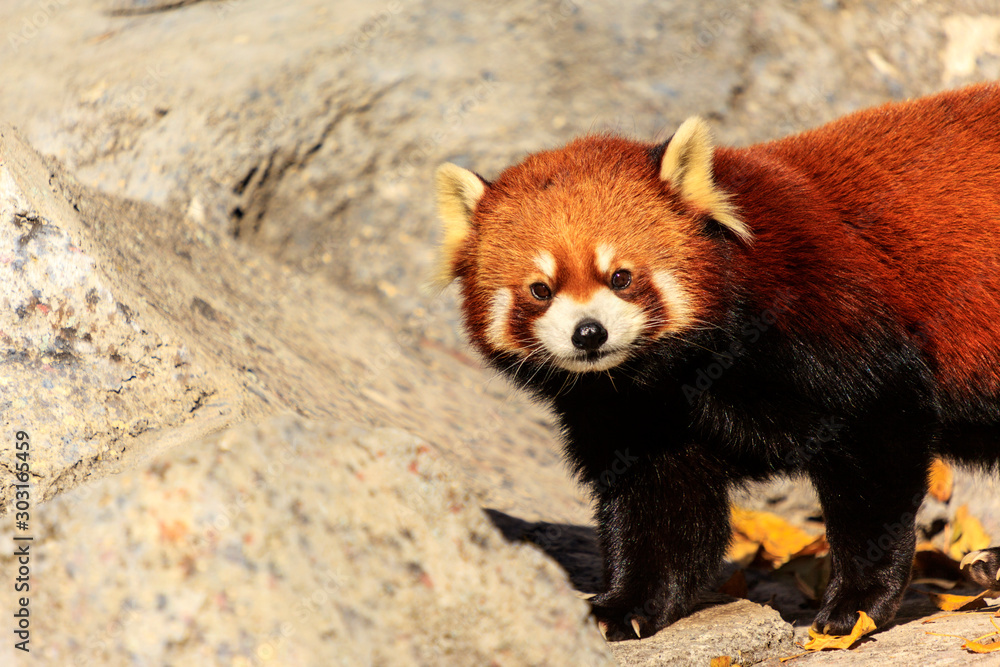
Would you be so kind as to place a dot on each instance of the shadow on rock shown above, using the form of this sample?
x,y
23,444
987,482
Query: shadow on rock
x,y
575,548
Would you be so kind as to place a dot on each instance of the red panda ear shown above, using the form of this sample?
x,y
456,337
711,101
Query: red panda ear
x,y
458,192
687,166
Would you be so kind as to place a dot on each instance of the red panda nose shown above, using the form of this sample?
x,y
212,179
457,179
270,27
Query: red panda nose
x,y
589,335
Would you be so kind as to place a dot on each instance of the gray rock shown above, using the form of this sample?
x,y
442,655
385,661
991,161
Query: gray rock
x,y
87,372
294,543
249,132
746,632
217,333
312,131
911,643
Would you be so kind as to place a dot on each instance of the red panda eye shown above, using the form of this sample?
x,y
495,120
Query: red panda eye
x,y
621,279
540,291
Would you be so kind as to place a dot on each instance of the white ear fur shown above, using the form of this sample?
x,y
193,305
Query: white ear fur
x,y
687,166
458,192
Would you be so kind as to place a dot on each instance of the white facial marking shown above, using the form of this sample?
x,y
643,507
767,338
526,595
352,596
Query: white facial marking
x,y
622,320
496,330
546,263
676,299
605,254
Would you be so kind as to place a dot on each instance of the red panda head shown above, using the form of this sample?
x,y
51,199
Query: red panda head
x,y
578,258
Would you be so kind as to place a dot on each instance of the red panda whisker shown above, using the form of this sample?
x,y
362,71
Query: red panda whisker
x,y
569,376
611,379
515,367
521,363
548,372
708,325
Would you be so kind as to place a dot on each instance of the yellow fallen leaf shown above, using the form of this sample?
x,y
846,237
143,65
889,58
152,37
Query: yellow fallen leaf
x,y
820,641
797,655
940,480
977,647
818,547
809,574
959,614
929,562
949,602
779,538
721,661
805,587
967,534
742,550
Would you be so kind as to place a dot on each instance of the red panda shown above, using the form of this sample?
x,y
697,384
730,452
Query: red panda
x,y
707,311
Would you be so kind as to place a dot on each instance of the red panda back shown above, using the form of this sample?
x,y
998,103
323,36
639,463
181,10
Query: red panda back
x,y
903,199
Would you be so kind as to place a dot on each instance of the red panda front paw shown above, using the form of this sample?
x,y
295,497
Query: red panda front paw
x,y
614,628
983,567
838,616
618,622
835,622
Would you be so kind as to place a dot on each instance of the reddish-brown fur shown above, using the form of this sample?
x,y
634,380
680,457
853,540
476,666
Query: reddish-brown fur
x,y
927,240
877,239
567,202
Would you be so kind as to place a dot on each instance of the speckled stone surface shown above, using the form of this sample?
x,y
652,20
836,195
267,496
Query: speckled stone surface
x,y
250,179
83,368
294,543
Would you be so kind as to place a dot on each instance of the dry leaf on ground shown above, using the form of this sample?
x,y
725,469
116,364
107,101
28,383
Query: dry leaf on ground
x,y
967,534
820,641
976,645
742,551
779,539
809,574
818,547
931,563
940,481
949,602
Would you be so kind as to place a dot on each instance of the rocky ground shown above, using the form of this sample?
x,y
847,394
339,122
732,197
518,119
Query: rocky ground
x,y
257,440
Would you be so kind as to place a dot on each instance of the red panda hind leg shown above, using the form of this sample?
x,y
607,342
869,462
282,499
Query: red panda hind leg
x,y
871,529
